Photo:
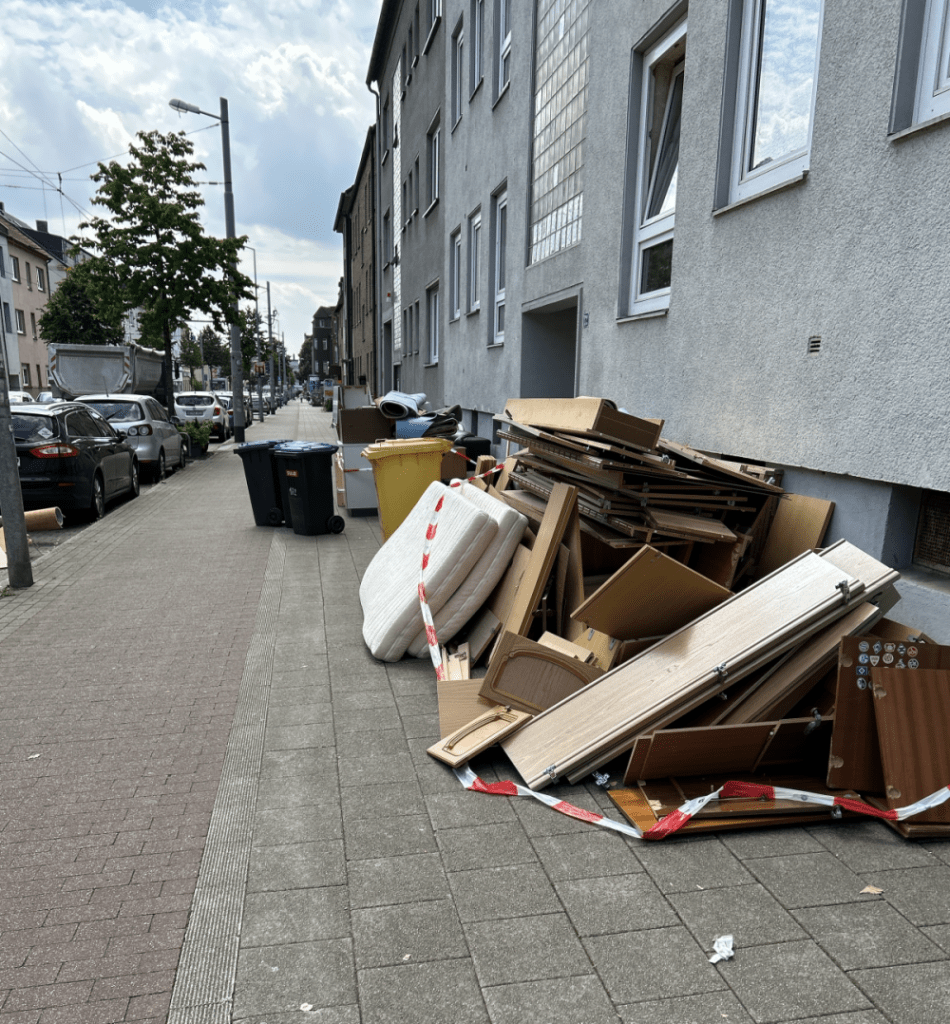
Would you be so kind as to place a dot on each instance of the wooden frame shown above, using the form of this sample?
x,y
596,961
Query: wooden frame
x,y
478,735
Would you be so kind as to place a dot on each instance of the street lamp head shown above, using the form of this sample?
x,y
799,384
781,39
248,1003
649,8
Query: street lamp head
x,y
181,106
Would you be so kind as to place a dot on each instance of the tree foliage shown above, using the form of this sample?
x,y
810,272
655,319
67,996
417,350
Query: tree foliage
x,y
216,354
78,312
153,243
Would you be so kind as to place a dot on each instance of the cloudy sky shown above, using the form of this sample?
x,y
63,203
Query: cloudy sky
x,y
81,77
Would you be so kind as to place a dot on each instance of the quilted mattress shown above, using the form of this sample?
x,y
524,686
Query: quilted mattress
x,y
389,588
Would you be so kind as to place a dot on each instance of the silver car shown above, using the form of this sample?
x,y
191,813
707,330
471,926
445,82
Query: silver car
x,y
148,430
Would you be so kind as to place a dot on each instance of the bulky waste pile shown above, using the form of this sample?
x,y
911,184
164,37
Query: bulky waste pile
x,y
612,601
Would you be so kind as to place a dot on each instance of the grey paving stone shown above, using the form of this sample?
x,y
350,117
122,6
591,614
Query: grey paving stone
x,y
807,879
433,776
296,915
289,737
321,1015
615,903
653,964
709,1008
525,949
748,912
922,895
296,866
462,808
363,720
485,846
374,838
869,845
540,820
431,993
790,980
589,854
410,879
300,714
939,848
575,1000
292,696
279,979
383,741
279,826
316,761
407,933
413,676
388,800
422,726
858,1017
491,894
940,934
374,767
289,792
915,994
356,700
688,865
859,935
770,842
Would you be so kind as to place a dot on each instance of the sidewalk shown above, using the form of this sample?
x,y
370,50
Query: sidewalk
x,y
217,807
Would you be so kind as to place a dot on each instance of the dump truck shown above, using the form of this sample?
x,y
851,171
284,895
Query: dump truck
x,y
76,370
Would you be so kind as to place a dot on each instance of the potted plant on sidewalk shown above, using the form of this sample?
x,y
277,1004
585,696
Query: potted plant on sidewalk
x,y
199,436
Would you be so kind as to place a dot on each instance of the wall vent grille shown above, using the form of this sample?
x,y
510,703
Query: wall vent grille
x,y
814,344
932,546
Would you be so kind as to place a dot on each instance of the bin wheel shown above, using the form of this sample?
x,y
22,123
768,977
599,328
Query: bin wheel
x,y
275,517
336,524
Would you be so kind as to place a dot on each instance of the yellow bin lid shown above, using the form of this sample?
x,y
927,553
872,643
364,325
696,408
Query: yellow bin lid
x,y
406,446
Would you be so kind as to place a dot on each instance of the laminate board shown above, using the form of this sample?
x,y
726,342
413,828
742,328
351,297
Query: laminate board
x,y
799,524
582,414
478,735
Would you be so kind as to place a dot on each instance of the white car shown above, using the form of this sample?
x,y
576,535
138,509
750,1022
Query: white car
x,y
20,397
204,407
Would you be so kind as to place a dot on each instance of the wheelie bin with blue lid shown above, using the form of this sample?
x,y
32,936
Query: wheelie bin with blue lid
x,y
305,471
263,486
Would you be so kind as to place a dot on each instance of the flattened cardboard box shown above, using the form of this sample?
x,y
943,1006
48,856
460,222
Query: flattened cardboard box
x,y
363,426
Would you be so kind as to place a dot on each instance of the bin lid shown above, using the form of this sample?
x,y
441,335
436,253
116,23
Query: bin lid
x,y
305,448
252,445
406,446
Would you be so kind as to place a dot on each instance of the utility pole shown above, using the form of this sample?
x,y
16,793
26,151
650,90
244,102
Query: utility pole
x,y
270,344
11,497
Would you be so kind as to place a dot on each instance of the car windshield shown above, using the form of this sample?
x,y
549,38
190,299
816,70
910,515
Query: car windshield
x,y
195,400
121,411
30,427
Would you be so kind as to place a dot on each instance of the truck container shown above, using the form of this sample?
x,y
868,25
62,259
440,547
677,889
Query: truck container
x,y
76,370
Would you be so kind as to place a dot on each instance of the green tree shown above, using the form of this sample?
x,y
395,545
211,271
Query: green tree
x,y
78,313
190,352
215,353
304,366
154,242
250,324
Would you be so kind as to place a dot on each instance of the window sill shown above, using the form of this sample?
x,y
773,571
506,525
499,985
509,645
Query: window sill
x,y
649,314
458,121
454,319
922,126
502,94
431,206
791,183
429,366
385,156
432,31
478,86
415,61
473,311
496,344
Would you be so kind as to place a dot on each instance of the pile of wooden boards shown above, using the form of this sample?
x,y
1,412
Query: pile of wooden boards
x,y
672,619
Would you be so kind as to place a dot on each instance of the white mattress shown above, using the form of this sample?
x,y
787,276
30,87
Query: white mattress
x,y
485,574
389,590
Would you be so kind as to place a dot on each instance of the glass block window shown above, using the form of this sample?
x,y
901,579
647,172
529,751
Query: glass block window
x,y
560,109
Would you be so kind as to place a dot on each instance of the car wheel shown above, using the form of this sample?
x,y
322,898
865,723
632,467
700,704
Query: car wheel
x,y
159,471
182,462
134,476
97,507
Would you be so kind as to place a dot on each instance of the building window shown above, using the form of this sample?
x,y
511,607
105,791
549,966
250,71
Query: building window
x,y
458,72
3,269
14,268
775,52
25,374
415,194
387,240
8,323
501,239
432,311
435,15
406,70
33,325
474,256
39,376
29,279
387,127
922,82
658,144
502,45
405,202
20,322
478,36
40,279
455,275
432,160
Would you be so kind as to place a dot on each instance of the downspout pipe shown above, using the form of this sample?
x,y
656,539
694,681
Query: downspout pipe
x,y
381,387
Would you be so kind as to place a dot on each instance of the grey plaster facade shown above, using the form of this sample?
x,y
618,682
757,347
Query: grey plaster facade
x,y
804,324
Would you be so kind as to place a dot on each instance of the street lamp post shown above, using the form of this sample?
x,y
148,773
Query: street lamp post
x,y
237,363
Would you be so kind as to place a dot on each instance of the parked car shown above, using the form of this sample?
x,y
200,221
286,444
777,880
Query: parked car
x,y
44,397
228,398
256,401
204,407
21,397
70,456
156,440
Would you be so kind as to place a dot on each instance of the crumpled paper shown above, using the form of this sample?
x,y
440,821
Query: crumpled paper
x,y
723,949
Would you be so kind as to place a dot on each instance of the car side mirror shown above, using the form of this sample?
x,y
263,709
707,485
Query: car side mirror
x,y
122,434
176,421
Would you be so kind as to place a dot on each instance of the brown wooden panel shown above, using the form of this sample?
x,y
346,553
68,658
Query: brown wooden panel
x,y
799,525
652,594
912,713
478,735
580,414
855,759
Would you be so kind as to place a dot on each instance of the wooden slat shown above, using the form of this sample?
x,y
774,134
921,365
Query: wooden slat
x,y
650,595
698,527
645,692
565,647
800,524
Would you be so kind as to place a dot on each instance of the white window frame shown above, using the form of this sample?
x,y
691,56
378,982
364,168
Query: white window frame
x,y
791,166
433,145
455,275
478,43
20,321
503,39
25,376
458,73
500,267
40,280
474,258
14,268
650,232
432,315
933,76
